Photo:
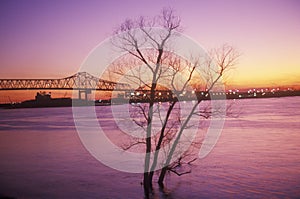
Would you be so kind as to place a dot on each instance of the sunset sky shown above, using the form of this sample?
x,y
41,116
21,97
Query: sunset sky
x,y
50,39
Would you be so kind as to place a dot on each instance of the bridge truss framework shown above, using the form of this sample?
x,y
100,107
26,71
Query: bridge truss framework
x,y
82,81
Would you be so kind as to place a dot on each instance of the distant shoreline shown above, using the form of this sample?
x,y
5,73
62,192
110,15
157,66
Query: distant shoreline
x,y
68,102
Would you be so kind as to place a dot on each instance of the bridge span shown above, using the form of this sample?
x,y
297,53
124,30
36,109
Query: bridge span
x,y
81,81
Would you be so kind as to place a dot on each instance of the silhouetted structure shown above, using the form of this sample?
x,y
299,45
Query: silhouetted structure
x,y
82,81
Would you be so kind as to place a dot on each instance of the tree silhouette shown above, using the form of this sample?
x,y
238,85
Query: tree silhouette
x,y
152,66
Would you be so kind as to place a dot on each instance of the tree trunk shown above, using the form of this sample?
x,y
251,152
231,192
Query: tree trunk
x,y
147,179
162,177
162,133
151,177
146,185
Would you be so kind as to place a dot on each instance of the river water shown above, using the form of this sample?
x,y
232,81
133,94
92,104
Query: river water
x,y
257,156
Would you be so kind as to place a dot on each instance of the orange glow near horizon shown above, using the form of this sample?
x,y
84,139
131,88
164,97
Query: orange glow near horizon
x,y
21,95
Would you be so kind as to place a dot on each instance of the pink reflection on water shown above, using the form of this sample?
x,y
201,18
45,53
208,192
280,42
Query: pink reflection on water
x,y
257,156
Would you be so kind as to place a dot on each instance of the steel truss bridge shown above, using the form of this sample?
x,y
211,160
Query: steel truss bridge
x,y
82,81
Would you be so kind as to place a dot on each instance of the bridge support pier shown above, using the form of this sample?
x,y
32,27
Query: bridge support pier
x,y
85,92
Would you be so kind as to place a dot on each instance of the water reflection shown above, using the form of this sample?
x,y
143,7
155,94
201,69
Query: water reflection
x,y
257,156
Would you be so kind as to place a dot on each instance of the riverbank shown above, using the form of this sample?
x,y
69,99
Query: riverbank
x,y
67,102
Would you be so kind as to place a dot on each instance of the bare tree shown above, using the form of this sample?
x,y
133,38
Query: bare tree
x,y
159,71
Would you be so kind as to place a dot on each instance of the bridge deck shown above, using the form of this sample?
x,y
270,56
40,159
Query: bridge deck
x,y
79,81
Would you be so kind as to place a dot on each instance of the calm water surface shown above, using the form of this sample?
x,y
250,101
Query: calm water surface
x,y
257,156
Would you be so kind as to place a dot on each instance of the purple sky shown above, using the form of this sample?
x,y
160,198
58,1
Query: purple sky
x,y
50,39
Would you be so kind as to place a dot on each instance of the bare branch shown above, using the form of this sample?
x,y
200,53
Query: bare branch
x,y
132,145
180,174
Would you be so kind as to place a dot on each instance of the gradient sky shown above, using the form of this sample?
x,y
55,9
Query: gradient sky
x,y
50,39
